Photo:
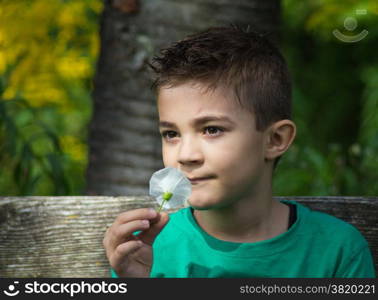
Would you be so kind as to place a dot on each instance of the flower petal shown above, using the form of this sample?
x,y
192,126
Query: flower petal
x,y
170,180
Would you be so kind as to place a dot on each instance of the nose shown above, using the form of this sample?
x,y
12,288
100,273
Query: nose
x,y
189,152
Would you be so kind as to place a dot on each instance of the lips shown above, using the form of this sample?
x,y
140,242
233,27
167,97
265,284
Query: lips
x,y
195,180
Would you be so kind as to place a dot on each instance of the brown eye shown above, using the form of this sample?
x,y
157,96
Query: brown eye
x,y
169,134
213,130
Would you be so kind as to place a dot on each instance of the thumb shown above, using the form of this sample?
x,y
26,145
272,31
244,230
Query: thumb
x,y
148,236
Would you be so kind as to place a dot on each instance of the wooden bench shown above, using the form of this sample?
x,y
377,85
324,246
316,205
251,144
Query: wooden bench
x,y
62,236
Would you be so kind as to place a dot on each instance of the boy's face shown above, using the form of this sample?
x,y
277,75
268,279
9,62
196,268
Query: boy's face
x,y
211,138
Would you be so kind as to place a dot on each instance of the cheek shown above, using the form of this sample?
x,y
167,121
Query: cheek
x,y
237,163
168,157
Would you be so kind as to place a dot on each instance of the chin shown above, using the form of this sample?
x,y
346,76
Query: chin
x,y
203,203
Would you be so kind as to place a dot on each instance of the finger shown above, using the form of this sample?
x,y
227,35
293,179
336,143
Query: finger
x,y
148,236
120,254
124,232
136,214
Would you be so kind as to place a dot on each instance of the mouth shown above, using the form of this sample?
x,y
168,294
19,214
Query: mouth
x,y
196,180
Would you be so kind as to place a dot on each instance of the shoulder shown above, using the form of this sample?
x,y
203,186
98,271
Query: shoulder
x,y
326,224
330,230
337,240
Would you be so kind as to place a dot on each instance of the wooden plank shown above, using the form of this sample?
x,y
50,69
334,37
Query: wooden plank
x,y
62,236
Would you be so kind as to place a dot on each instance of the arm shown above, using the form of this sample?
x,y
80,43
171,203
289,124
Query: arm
x,y
360,265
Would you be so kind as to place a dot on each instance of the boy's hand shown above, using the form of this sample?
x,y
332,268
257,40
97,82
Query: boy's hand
x,y
131,255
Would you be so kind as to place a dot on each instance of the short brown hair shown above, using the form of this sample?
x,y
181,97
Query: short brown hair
x,y
230,57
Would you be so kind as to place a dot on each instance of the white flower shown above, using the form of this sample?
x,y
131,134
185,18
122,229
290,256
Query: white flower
x,y
170,187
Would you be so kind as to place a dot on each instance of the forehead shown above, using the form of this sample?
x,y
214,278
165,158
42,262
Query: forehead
x,y
191,99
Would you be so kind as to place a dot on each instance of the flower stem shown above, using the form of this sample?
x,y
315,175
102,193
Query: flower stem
x,y
161,205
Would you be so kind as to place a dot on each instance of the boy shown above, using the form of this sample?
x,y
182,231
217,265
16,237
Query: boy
x,y
224,102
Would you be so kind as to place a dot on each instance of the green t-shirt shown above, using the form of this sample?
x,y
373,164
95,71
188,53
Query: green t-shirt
x,y
317,245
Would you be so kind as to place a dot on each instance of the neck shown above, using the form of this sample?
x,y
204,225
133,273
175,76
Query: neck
x,y
246,220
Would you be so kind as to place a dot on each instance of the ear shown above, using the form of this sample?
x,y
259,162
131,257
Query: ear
x,y
279,137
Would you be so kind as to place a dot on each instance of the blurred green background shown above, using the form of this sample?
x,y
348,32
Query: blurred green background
x,y
48,58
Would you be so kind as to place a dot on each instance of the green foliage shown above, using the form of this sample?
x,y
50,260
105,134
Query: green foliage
x,y
47,59
30,151
45,84
335,100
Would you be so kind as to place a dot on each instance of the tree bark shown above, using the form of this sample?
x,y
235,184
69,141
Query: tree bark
x,y
124,144
62,236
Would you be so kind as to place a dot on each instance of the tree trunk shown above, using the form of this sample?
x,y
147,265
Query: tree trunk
x,y
124,145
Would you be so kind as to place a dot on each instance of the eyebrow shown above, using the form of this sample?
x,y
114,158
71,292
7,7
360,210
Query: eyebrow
x,y
199,121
